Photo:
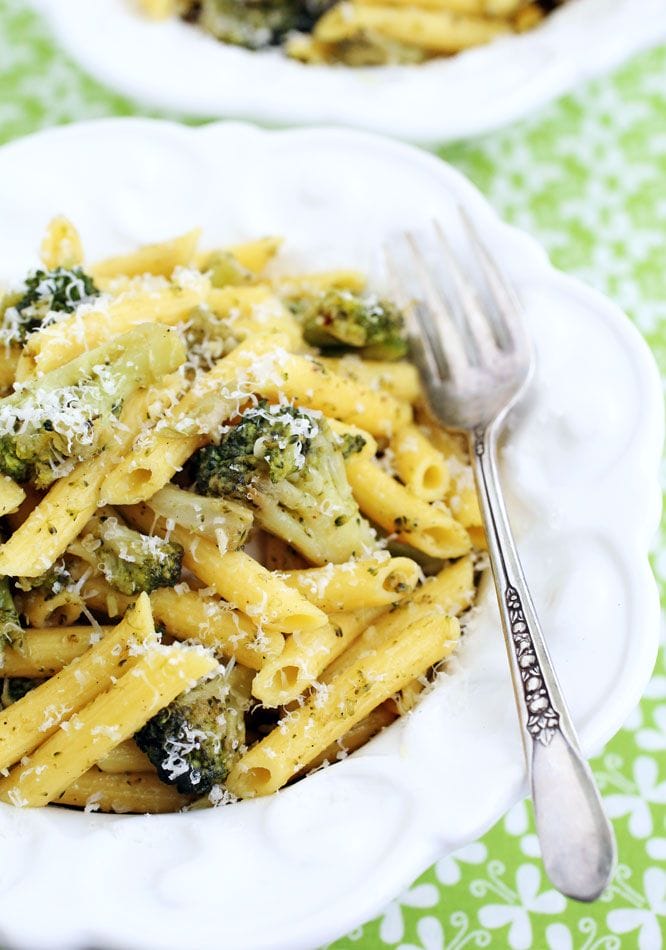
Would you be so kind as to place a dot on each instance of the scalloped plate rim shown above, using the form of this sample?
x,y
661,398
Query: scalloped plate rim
x,y
646,442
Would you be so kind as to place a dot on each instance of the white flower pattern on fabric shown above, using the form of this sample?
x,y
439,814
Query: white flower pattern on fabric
x,y
560,937
448,871
635,798
434,936
654,740
519,904
392,927
650,920
517,822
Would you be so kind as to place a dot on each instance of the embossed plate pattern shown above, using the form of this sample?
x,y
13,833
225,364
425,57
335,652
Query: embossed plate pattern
x,y
579,466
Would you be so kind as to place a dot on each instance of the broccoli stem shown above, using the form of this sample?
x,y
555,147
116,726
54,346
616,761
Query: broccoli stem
x,y
10,622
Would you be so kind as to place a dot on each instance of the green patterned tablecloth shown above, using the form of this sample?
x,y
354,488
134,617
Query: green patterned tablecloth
x,y
586,176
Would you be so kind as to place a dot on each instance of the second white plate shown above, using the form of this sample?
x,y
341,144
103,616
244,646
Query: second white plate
x,y
175,66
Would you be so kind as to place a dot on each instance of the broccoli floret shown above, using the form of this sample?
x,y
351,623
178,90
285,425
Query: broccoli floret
x,y
195,740
225,270
61,418
287,463
341,321
254,24
15,688
10,623
130,561
53,581
46,292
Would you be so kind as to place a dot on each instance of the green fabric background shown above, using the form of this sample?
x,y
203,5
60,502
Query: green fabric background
x,y
587,176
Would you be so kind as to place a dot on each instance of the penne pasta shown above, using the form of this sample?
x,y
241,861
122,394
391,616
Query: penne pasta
x,y
126,757
419,465
153,680
438,31
122,793
399,379
45,651
358,735
321,720
190,616
285,677
11,496
367,582
449,594
428,528
61,246
31,720
161,258
308,383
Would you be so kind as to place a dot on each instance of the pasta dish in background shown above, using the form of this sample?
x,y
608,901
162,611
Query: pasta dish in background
x,y
357,32
235,545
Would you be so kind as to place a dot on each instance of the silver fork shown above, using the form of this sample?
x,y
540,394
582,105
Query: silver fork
x,y
475,361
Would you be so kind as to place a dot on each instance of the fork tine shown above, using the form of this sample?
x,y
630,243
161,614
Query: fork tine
x,y
505,300
474,319
442,332
418,329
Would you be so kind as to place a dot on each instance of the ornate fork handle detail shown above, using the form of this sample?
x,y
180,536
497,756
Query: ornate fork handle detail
x,y
576,841
543,720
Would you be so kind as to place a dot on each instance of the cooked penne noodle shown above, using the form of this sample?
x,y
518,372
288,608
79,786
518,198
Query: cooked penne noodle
x,y
491,8
406,699
88,735
367,582
161,258
357,736
126,757
42,608
11,496
527,18
298,285
308,383
428,528
123,793
190,616
46,651
419,465
350,697
256,255
35,717
9,358
61,246
160,9
306,653
449,593
440,31
399,379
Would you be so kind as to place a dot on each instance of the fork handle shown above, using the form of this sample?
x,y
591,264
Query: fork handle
x,y
577,842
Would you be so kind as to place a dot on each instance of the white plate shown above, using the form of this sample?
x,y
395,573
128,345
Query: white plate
x,y
580,467
176,66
